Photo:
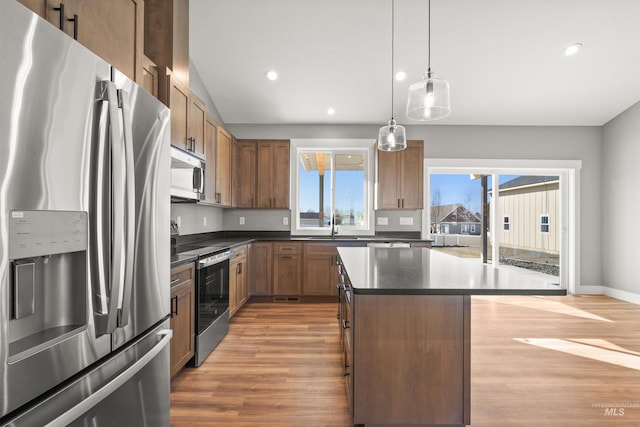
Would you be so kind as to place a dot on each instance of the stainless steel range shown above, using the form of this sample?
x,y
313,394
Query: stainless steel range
x,y
212,302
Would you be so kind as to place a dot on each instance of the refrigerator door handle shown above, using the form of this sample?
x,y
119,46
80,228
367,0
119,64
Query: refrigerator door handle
x,y
74,413
130,208
108,225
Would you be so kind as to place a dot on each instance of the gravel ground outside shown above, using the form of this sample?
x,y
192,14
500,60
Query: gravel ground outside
x,y
531,260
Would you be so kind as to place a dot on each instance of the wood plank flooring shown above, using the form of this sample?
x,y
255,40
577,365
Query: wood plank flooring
x,y
552,361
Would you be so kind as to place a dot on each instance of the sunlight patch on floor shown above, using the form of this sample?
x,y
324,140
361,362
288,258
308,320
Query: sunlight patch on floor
x,y
596,349
538,303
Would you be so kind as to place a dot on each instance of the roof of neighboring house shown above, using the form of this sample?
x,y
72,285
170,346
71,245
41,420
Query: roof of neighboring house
x,y
526,180
441,212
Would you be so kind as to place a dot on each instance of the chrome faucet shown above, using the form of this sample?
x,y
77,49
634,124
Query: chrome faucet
x,y
333,226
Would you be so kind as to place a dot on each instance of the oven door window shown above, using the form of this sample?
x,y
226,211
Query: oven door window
x,y
213,293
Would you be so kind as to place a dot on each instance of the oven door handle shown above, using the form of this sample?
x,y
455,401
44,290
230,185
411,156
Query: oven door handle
x,y
207,262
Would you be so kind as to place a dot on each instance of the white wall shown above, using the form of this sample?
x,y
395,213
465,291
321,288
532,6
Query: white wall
x,y
197,86
621,203
492,142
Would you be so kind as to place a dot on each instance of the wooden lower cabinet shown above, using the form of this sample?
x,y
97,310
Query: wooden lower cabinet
x,y
287,268
182,316
261,277
237,279
320,275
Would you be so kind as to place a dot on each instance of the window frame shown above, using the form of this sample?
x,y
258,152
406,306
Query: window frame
x,y
544,224
365,147
506,222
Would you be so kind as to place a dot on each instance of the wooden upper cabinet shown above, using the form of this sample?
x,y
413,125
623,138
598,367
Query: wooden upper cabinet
x,y
272,187
400,178
210,135
113,29
188,113
175,95
245,175
166,35
224,143
149,79
197,119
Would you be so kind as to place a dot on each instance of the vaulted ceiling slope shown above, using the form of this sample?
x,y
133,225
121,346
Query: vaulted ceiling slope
x,y
504,59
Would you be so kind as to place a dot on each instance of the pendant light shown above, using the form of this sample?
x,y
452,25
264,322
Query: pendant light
x,y
392,137
429,98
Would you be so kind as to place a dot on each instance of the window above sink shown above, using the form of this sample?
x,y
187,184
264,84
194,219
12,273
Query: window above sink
x,y
332,188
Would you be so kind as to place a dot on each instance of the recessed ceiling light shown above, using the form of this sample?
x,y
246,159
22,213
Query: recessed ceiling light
x,y
401,75
573,49
272,75
331,111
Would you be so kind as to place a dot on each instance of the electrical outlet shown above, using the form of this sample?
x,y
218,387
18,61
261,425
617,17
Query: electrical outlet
x,y
383,220
241,220
285,220
179,221
406,220
204,221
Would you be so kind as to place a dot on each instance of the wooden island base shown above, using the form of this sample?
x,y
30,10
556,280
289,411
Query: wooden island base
x,y
411,359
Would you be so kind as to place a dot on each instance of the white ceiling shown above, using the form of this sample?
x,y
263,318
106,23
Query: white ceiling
x,y
503,59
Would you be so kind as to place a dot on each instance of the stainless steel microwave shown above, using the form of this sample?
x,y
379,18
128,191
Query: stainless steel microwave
x,y
187,177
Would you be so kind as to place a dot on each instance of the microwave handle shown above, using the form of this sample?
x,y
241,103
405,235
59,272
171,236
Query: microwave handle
x,y
198,180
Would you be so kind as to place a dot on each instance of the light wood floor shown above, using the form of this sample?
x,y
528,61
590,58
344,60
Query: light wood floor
x,y
553,361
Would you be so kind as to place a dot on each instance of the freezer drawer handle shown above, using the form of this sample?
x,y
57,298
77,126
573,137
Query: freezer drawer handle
x,y
101,394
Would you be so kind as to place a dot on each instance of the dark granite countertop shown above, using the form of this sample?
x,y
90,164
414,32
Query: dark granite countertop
x,y
421,271
191,247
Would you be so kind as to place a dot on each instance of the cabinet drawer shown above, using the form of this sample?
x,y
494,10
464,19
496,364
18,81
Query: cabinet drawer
x,y
287,248
320,248
182,274
239,252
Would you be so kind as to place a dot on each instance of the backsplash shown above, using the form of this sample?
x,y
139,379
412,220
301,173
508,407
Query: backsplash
x,y
192,218
257,219
398,220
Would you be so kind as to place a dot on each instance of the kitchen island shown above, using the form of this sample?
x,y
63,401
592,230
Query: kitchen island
x,y
405,324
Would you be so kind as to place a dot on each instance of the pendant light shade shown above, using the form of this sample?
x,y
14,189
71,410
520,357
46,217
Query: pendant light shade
x,y
429,98
392,137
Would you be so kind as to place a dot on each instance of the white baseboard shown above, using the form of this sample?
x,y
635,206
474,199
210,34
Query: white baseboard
x,y
590,290
622,295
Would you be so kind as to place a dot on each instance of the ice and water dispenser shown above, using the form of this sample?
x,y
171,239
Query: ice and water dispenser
x,y
49,281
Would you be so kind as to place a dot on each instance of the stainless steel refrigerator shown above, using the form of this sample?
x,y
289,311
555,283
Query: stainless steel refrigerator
x,y
84,235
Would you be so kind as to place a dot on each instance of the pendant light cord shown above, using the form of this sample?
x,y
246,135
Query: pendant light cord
x,y
393,2
429,40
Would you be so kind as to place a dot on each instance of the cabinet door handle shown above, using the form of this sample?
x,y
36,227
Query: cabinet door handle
x,y
403,203
345,370
286,257
345,324
174,281
398,202
174,306
61,10
239,268
75,26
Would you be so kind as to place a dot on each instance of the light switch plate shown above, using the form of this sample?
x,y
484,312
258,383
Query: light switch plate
x,y
179,221
406,220
241,220
204,221
285,220
383,220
